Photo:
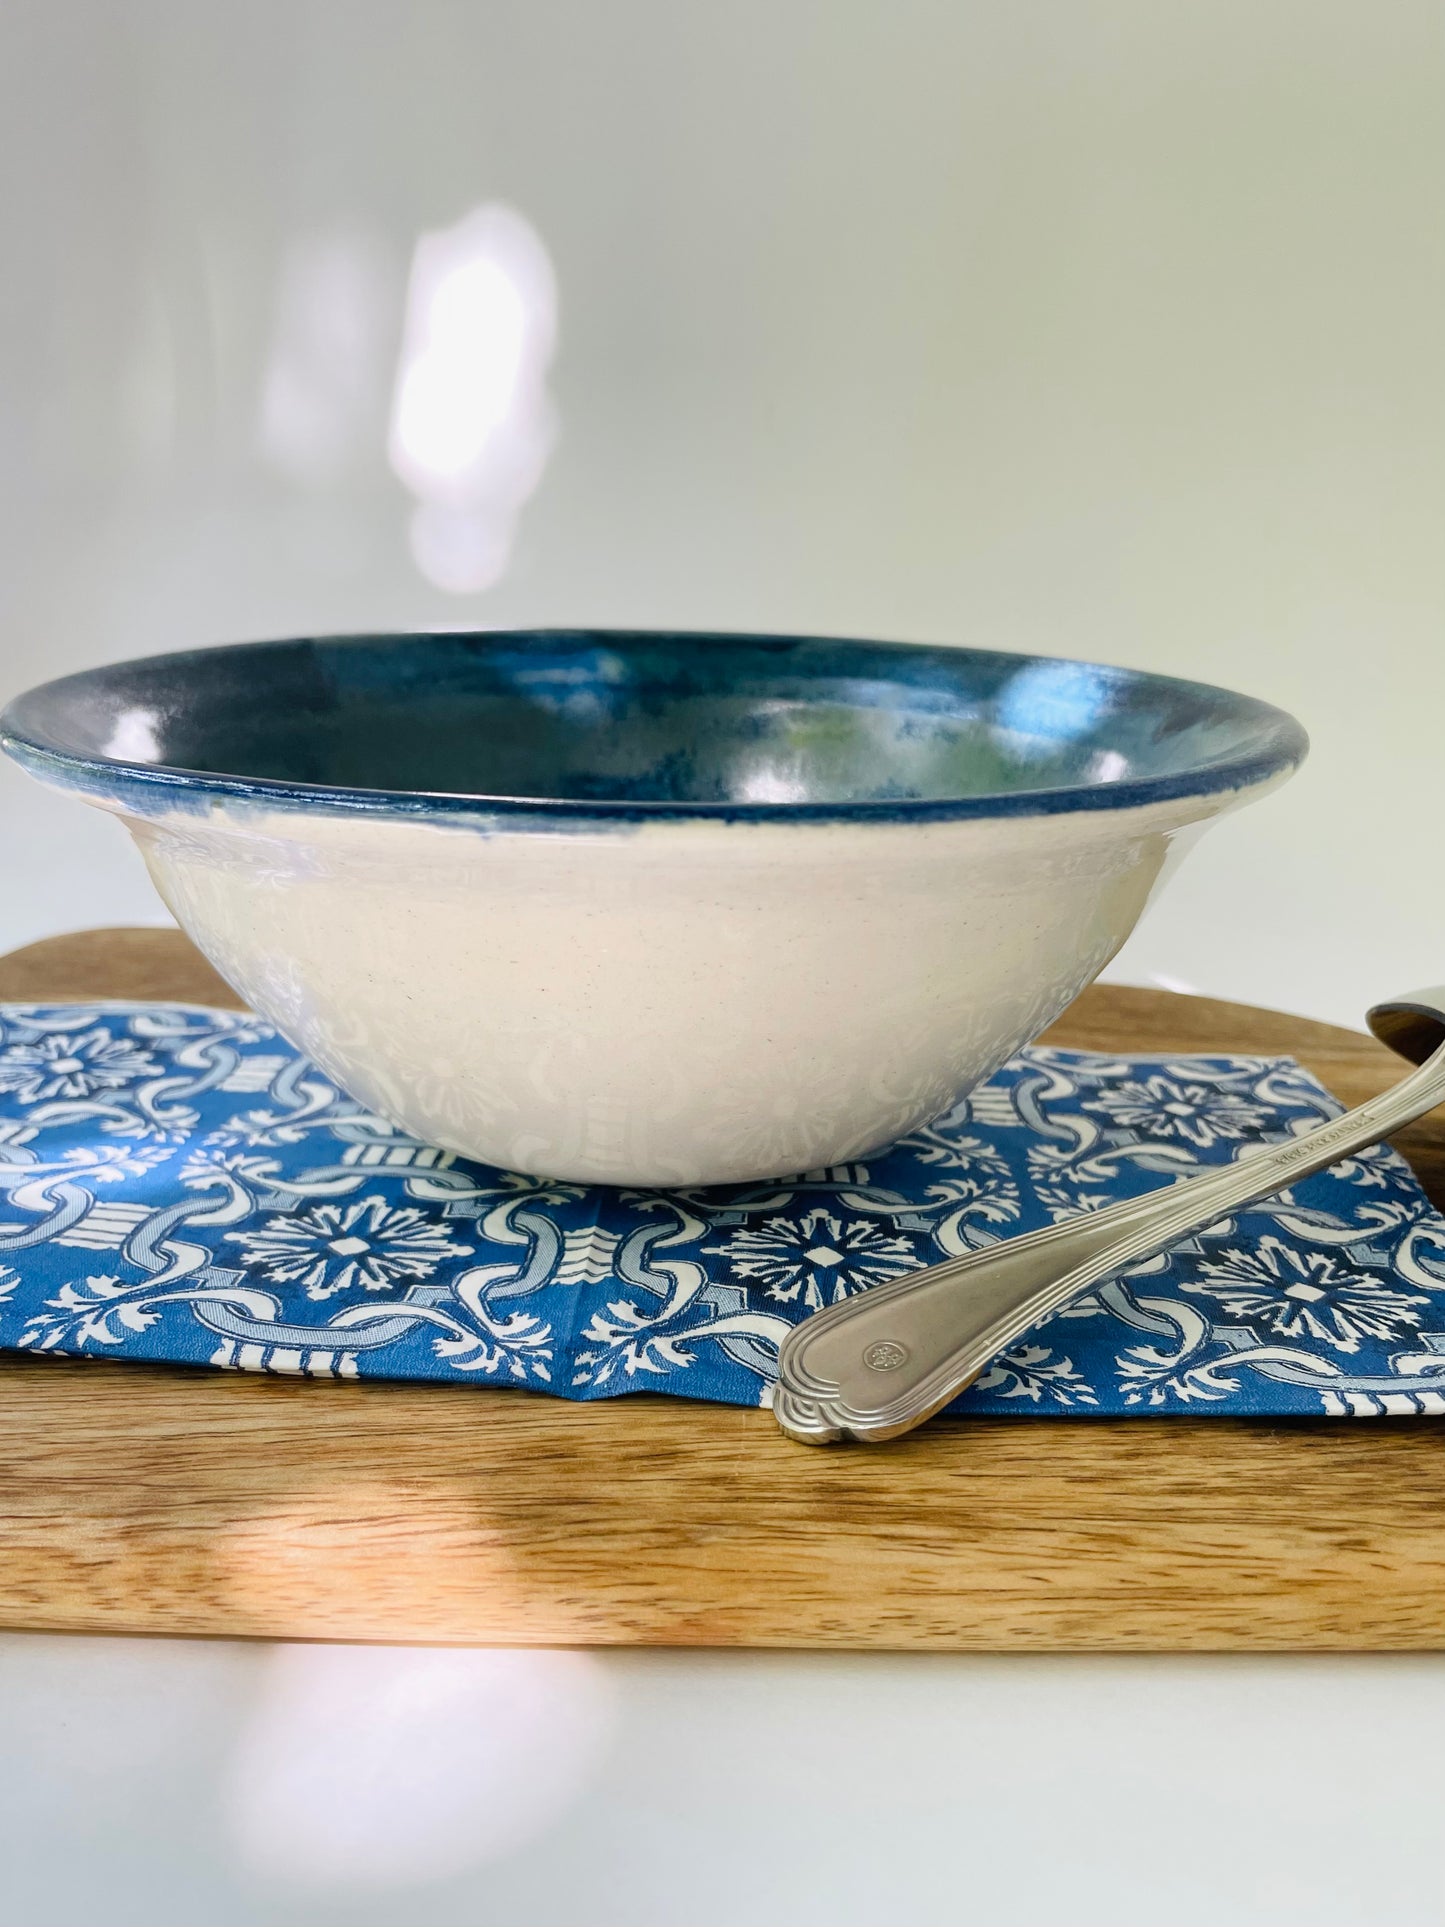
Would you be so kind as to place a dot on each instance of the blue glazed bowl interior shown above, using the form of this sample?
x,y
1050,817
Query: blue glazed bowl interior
x,y
622,723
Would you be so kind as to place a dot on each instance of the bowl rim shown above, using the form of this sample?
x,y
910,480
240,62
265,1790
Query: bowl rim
x,y
1274,744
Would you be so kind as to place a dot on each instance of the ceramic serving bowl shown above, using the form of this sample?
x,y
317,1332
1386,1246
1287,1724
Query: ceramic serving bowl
x,y
652,909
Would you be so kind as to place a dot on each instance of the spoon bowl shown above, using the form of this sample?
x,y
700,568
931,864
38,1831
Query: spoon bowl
x,y
1413,1025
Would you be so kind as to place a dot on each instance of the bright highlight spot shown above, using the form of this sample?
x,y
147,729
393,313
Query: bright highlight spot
x,y
1050,703
766,785
367,1766
472,420
1108,766
457,390
134,739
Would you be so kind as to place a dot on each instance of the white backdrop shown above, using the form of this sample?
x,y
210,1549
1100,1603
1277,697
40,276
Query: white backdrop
x,y
1102,327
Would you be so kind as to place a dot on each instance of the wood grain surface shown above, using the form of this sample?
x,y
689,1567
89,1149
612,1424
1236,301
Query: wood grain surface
x,y
140,1499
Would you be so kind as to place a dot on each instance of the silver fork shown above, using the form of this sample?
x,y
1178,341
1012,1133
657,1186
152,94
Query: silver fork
x,y
878,1364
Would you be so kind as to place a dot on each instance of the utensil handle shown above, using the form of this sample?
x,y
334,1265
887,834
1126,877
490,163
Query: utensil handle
x,y
880,1363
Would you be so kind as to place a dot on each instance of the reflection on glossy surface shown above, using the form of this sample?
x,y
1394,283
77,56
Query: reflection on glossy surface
x,y
1049,704
380,1766
1109,766
620,720
134,736
472,422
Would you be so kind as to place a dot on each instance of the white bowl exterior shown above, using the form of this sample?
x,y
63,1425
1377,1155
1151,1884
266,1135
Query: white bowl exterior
x,y
675,1003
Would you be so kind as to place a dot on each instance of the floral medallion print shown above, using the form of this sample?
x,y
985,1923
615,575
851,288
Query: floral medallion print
x,y
1164,1107
60,1065
331,1248
815,1259
1311,1296
178,1184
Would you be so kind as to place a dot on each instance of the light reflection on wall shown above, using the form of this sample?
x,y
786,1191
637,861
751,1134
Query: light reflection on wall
x,y
324,381
367,1766
472,421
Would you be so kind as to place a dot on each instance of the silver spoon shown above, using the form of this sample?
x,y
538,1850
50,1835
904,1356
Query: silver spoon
x,y
876,1365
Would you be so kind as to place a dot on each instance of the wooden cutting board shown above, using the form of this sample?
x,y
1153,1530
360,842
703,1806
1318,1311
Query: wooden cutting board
x,y
137,1499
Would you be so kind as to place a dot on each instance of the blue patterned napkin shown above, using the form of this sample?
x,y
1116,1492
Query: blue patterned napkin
x,y
177,1184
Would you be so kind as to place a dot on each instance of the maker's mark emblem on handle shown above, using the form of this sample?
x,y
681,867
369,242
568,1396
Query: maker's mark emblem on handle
x,y
886,1356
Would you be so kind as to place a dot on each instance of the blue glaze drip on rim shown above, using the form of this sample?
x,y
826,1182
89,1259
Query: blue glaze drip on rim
x,y
557,727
